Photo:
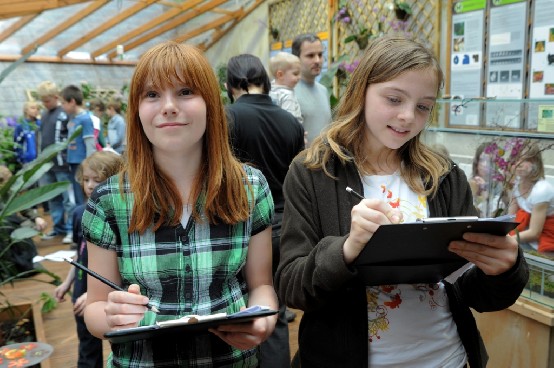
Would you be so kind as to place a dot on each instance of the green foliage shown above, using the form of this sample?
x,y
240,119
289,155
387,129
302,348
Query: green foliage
x,y
361,38
49,303
124,92
87,89
15,196
8,157
221,73
402,5
328,77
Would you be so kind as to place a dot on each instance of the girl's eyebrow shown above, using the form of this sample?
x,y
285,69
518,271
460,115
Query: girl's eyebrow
x,y
401,91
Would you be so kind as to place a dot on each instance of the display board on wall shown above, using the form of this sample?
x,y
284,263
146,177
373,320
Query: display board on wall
x,y
286,46
506,62
541,74
466,71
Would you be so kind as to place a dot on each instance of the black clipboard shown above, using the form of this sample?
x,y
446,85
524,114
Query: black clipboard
x,y
418,252
153,331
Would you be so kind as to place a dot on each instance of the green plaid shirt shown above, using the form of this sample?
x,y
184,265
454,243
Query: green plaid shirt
x,y
192,270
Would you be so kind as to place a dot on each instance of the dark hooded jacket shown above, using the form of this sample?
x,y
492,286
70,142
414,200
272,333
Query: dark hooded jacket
x,y
312,275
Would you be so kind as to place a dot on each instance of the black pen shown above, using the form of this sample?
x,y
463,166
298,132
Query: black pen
x,y
354,193
105,281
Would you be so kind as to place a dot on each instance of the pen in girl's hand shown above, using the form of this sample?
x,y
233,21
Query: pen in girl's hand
x,y
105,280
354,193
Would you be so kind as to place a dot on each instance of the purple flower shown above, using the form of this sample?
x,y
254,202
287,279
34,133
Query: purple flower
x,y
346,20
11,120
491,148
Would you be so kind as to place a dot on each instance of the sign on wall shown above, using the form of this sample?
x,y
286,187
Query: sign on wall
x,y
506,62
466,60
541,73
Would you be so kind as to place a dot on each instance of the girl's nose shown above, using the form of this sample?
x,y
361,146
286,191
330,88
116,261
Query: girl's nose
x,y
407,113
169,106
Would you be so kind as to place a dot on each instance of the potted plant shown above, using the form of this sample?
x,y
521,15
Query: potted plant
x,y
274,33
402,10
16,195
361,38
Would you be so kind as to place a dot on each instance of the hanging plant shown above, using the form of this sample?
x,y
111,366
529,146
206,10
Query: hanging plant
x,y
402,10
342,15
274,33
361,38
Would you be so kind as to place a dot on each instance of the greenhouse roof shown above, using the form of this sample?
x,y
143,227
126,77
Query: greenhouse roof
x,y
111,31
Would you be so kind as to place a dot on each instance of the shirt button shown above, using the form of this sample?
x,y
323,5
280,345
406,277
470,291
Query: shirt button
x,y
184,239
187,268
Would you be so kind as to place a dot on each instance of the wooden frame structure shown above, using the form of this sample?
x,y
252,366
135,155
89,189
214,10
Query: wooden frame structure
x,y
200,22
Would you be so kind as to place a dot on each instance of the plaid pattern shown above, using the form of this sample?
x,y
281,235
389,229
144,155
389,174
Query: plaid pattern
x,y
192,270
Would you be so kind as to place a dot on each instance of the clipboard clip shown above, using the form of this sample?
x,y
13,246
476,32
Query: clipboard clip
x,y
448,219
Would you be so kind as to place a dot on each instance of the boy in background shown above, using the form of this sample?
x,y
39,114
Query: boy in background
x,y
285,68
85,144
116,126
53,129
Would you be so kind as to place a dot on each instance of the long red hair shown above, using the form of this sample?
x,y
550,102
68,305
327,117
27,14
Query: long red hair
x,y
156,197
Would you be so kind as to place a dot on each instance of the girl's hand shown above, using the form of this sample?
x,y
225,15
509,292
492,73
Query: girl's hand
x,y
80,304
246,335
60,291
40,224
367,216
491,253
125,309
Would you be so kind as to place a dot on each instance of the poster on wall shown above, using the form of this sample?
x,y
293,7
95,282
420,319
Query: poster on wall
x,y
546,118
541,73
466,61
506,62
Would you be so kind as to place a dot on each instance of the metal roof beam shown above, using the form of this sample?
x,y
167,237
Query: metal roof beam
x,y
175,22
142,29
107,25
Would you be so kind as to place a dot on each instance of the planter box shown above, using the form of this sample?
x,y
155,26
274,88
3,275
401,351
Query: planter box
x,y
521,336
35,316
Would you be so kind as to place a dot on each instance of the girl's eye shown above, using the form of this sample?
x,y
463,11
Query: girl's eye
x,y
150,94
186,92
394,100
424,108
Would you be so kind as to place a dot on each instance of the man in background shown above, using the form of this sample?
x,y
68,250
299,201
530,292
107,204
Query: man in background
x,y
312,96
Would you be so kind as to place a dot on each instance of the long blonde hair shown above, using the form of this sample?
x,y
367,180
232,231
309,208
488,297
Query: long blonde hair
x,y
222,176
384,59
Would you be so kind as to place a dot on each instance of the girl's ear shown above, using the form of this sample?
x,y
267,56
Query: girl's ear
x,y
279,74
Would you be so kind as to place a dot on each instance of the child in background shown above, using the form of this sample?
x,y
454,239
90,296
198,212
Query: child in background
x,y
533,203
285,68
96,109
486,192
93,170
85,144
116,126
185,226
25,133
53,129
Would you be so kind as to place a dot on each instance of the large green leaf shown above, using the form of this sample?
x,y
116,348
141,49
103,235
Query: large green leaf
x,y
31,177
33,197
23,233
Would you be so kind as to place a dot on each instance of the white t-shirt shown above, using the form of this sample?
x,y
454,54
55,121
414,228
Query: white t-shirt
x,y
409,325
542,192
